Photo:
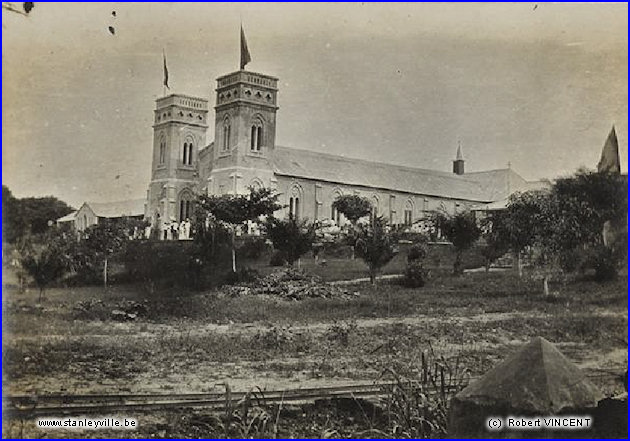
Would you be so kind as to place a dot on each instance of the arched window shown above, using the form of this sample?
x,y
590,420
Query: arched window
x,y
375,205
162,158
185,205
256,136
334,213
187,156
227,129
408,213
294,201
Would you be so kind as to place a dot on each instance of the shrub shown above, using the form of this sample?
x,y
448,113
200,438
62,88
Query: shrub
x,y
416,275
278,258
252,248
340,332
418,251
243,275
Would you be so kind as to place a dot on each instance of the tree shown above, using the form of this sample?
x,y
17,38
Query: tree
x,y
521,222
29,215
375,246
291,237
461,230
592,233
494,234
234,211
353,207
46,262
106,239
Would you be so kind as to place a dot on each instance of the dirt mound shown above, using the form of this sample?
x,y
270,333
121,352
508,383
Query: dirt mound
x,y
290,284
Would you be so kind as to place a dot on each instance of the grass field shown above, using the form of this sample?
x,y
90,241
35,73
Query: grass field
x,y
186,341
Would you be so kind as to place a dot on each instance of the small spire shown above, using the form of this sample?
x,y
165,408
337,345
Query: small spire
x,y
460,156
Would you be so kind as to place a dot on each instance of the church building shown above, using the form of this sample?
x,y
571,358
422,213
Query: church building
x,y
244,154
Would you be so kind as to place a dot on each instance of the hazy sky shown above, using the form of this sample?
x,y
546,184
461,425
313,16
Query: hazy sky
x,y
539,87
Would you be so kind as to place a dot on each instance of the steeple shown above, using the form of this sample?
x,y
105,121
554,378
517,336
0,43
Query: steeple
x,y
458,163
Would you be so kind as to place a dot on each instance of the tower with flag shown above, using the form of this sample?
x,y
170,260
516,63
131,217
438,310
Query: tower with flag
x,y
244,155
245,56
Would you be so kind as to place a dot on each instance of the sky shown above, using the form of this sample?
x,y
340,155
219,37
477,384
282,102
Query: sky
x,y
535,86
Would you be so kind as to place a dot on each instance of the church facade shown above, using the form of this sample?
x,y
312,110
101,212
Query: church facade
x,y
244,154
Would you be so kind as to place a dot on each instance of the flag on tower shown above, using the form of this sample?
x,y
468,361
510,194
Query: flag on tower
x,y
609,162
165,71
245,57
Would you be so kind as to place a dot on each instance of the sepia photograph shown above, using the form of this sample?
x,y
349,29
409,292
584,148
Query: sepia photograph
x,y
314,220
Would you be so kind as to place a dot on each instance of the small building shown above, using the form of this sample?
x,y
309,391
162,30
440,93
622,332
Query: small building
x,y
91,213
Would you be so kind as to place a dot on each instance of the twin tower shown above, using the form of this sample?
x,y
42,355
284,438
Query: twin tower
x,y
241,154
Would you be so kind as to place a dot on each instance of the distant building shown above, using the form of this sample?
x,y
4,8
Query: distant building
x,y
91,213
244,154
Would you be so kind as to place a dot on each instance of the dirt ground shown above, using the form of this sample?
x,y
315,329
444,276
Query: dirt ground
x,y
183,341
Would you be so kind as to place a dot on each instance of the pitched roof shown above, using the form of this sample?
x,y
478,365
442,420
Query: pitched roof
x,y
487,186
351,171
537,378
501,183
130,207
68,217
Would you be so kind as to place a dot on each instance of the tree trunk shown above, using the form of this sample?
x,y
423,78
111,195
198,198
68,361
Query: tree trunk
x,y
233,252
519,264
457,265
352,247
373,277
105,273
41,293
546,285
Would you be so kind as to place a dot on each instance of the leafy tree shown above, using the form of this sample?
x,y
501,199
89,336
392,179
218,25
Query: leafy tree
x,y
234,211
12,227
45,262
291,237
461,230
32,215
353,207
106,239
521,222
592,232
495,235
375,246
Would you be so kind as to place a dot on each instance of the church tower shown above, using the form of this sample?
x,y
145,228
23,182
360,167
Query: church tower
x,y
458,163
245,132
179,131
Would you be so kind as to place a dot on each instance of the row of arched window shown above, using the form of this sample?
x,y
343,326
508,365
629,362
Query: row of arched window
x,y
187,152
257,135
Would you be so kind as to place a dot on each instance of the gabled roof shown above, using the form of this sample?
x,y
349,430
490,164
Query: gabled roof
x,y
537,378
501,183
68,217
130,207
351,171
486,186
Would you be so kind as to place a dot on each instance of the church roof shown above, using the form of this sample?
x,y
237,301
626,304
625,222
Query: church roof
x,y
501,183
68,217
129,207
481,186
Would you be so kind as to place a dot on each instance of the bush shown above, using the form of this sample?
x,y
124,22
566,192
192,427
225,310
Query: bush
x,y
243,275
418,251
278,258
252,248
416,275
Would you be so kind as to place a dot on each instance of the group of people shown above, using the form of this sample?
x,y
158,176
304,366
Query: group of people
x,y
172,230
176,231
